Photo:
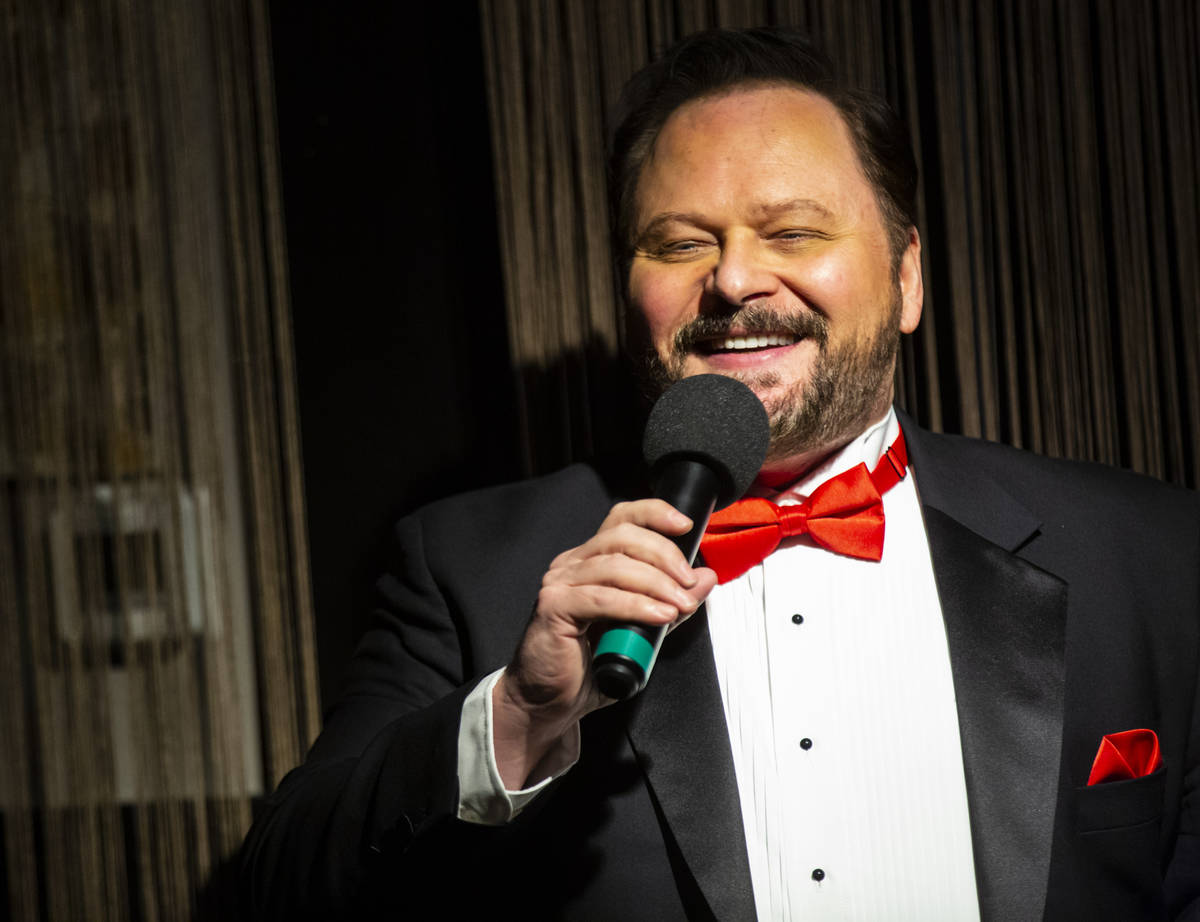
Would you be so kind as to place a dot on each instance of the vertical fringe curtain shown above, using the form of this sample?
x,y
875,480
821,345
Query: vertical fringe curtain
x,y
1059,145
158,668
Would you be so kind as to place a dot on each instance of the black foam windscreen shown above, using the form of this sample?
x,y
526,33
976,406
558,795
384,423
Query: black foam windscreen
x,y
715,420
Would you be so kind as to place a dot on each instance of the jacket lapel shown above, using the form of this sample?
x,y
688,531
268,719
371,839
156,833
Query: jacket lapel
x,y
1005,625
678,732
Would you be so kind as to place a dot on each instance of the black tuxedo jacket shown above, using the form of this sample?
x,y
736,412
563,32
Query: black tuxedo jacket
x,y
1071,596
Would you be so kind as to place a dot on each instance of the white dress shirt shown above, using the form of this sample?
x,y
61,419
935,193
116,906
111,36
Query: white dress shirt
x,y
835,678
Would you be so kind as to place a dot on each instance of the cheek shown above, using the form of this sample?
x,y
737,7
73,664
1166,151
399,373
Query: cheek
x,y
844,289
661,298
832,277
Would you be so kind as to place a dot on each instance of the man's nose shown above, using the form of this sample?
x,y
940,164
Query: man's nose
x,y
743,272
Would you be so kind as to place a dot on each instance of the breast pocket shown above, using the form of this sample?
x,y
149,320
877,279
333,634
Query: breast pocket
x,y
1116,849
1120,805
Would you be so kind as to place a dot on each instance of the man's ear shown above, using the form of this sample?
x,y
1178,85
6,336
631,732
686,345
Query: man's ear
x,y
912,288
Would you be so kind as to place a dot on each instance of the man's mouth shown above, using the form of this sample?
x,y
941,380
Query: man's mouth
x,y
746,342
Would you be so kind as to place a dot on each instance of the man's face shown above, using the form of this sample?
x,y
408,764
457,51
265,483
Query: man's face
x,y
760,252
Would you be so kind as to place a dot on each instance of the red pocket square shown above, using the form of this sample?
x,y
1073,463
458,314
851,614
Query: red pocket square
x,y
1125,755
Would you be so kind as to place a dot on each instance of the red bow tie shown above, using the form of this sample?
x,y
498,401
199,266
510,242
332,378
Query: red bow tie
x,y
844,515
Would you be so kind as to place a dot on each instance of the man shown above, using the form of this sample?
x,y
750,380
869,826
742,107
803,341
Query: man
x,y
831,735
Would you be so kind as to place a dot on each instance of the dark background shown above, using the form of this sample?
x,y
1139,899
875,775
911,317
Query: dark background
x,y
406,391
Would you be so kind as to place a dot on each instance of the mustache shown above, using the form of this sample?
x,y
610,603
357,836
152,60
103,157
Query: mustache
x,y
806,325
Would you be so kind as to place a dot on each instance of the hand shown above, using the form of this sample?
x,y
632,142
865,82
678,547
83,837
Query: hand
x,y
628,571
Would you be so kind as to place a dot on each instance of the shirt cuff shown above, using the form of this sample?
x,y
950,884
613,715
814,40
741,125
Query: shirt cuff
x,y
482,797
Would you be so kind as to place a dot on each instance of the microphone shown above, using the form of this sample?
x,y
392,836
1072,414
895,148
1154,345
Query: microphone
x,y
705,441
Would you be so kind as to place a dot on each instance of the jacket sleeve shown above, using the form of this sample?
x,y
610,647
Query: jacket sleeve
x,y
1182,879
374,802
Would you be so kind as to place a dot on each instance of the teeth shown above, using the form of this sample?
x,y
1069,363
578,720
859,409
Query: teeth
x,y
756,342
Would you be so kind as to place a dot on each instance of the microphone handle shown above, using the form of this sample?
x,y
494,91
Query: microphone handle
x,y
625,655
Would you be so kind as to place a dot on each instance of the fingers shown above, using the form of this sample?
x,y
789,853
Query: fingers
x,y
635,531
629,583
655,514
623,589
634,570
583,605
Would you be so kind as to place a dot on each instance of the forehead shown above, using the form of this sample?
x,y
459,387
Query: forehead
x,y
750,148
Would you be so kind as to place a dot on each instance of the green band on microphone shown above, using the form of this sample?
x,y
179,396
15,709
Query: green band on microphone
x,y
628,643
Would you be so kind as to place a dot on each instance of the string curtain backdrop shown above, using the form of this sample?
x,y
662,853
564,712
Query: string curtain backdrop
x,y
158,669
1059,146
154,582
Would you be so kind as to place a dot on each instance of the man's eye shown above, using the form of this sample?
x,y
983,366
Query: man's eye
x,y
680,248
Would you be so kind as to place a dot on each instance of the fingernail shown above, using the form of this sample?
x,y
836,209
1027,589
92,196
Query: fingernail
x,y
665,611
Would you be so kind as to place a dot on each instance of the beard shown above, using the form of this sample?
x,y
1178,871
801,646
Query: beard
x,y
839,399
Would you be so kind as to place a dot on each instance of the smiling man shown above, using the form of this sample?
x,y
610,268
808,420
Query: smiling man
x,y
992,715
761,251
